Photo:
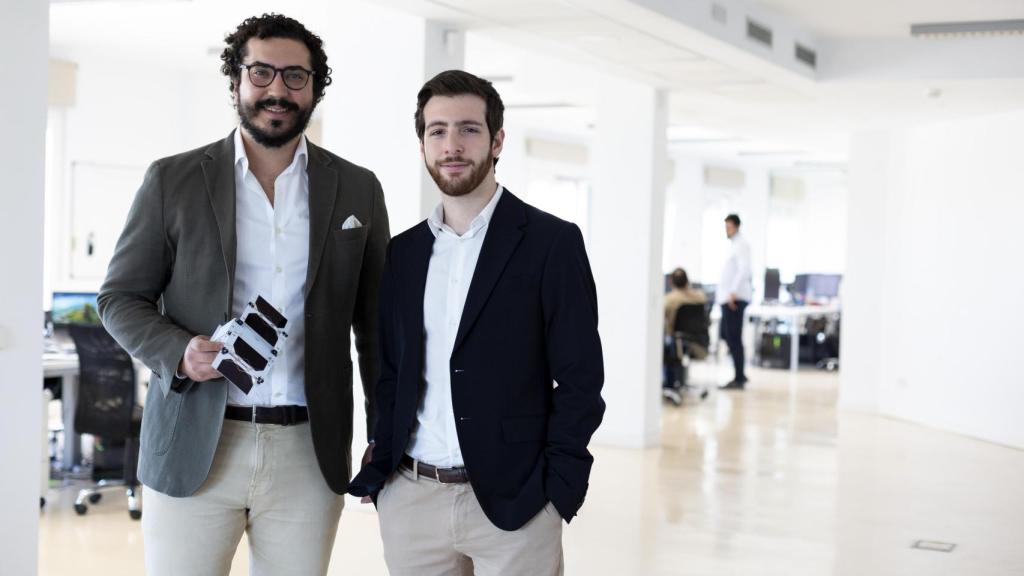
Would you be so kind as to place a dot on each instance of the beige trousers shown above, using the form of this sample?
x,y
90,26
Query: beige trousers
x,y
434,529
265,482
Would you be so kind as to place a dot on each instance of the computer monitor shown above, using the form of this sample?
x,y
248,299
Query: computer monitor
x,y
798,288
75,308
771,284
823,286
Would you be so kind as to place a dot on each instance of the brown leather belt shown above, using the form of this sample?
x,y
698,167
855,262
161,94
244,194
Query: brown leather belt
x,y
443,475
280,415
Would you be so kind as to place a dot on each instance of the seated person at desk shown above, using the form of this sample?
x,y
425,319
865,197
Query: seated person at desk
x,y
681,293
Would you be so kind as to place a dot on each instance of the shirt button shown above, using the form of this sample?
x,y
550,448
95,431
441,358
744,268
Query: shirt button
x,y
277,269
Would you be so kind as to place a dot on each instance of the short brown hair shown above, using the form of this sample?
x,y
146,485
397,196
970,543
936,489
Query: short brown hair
x,y
458,83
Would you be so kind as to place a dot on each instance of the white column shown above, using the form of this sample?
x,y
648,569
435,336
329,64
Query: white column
x,y
684,218
873,173
753,213
380,59
629,171
22,162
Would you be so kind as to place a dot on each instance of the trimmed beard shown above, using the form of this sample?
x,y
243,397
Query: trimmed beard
x,y
464,184
247,114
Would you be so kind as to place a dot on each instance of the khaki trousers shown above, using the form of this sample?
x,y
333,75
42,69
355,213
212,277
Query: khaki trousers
x,y
434,529
265,482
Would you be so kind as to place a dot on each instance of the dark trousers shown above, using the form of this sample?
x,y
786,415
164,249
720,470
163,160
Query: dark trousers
x,y
671,367
731,330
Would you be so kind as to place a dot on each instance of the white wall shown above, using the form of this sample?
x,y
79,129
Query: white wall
x,y
107,131
22,151
695,217
933,311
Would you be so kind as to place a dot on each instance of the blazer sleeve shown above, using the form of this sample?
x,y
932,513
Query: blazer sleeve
x,y
365,318
138,273
569,299
371,478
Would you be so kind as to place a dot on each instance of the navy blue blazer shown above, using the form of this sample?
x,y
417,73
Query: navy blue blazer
x,y
526,370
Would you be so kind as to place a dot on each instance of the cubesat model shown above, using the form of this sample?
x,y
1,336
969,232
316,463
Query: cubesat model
x,y
250,344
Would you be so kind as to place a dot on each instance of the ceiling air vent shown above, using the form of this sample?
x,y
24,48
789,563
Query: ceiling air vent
x,y
759,32
806,55
719,13
979,28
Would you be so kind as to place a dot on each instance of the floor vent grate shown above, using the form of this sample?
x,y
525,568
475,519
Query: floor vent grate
x,y
933,546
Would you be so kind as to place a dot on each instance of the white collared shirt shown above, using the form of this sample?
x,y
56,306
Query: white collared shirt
x,y
272,256
452,263
736,274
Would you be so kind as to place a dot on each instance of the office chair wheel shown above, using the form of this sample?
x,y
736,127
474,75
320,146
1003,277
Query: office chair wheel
x,y
81,509
135,514
95,497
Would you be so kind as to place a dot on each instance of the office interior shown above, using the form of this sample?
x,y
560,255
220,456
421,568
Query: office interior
x,y
871,148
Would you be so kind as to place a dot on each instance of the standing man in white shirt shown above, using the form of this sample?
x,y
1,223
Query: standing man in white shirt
x,y
735,289
262,212
491,365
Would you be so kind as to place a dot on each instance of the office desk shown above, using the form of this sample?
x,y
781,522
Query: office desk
x,y
64,365
793,314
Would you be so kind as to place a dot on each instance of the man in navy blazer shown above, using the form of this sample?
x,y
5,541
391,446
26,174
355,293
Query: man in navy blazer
x,y
491,363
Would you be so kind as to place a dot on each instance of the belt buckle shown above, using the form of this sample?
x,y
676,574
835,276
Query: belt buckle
x,y
254,414
454,475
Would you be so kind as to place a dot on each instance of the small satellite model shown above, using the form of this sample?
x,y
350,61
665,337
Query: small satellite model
x,y
250,344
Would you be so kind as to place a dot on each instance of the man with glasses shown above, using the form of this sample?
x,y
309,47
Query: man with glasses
x,y
263,212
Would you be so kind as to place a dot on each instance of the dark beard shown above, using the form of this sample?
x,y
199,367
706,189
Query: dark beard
x,y
465,184
247,113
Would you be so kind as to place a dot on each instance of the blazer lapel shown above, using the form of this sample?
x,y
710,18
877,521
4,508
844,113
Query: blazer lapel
x,y
219,174
503,235
417,266
323,192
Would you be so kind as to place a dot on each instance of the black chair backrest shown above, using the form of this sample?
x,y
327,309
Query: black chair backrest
x,y
106,384
692,321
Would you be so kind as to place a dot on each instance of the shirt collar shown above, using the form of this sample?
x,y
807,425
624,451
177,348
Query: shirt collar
x,y
301,152
436,219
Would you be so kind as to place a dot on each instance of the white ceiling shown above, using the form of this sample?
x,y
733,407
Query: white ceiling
x,y
538,48
888,18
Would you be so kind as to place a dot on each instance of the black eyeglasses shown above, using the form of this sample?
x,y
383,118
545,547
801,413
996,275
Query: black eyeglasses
x,y
262,75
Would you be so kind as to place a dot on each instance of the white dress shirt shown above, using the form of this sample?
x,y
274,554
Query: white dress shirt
x,y
452,263
736,274
272,255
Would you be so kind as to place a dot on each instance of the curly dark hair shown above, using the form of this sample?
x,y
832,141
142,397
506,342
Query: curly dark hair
x,y
275,26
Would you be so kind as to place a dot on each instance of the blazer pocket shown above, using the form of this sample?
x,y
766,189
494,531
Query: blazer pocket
x,y
162,425
351,234
524,429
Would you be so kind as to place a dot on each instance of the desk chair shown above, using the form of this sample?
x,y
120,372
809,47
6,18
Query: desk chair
x,y
106,408
690,340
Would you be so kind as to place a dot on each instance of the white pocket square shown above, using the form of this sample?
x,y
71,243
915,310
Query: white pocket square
x,y
351,222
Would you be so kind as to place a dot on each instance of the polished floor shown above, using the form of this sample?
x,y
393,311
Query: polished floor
x,y
769,481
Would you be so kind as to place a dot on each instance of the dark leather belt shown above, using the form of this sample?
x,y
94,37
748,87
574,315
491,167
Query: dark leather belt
x,y
442,475
281,415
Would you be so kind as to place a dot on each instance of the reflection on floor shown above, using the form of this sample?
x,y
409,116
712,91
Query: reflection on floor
x,y
769,481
